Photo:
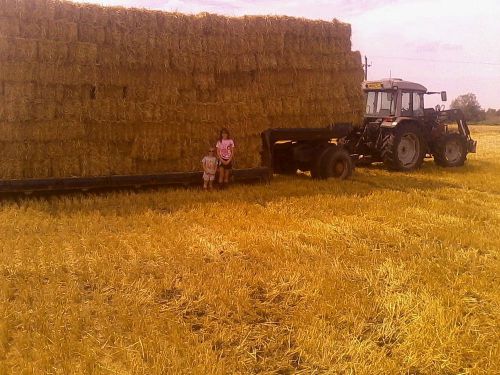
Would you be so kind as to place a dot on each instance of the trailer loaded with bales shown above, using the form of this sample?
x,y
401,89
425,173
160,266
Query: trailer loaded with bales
x,y
95,96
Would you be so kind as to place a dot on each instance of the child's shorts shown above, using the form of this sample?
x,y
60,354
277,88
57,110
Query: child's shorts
x,y
208,176
226,166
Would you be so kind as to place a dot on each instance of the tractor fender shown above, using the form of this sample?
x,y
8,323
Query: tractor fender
x,y
387,124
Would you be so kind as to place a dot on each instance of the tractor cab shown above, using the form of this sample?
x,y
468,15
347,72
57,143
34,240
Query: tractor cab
x,y
394,98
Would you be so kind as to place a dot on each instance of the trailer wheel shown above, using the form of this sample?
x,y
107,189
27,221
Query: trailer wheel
x,y
337,163
450,150
317,164
403,148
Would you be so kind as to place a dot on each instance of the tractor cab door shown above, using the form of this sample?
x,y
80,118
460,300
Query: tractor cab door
x,y
411,104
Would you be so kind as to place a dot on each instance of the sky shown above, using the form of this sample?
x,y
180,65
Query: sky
x,y
451,45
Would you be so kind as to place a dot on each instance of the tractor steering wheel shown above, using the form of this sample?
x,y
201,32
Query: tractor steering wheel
x,y
438,108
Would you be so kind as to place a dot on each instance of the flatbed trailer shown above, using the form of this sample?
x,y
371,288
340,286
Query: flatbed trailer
x,y
309,146
27,186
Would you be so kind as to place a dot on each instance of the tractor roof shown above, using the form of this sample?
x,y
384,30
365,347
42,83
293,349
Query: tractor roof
x,y
389,83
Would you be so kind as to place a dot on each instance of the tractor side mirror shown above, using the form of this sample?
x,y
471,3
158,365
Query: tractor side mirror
x,y
444,97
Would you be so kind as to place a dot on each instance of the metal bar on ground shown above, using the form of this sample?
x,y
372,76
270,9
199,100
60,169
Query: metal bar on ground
x,y
122,181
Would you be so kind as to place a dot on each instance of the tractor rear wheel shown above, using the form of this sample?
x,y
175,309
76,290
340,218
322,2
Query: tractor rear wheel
x,y
337,163
403,148
450,150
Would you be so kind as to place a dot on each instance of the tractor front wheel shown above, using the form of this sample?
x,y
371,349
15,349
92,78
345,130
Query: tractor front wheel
x,y
403,148
450,150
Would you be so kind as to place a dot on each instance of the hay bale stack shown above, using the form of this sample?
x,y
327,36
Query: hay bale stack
x,y
88,90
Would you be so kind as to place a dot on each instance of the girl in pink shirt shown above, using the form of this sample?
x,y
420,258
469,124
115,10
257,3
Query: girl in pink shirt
x,y
225,153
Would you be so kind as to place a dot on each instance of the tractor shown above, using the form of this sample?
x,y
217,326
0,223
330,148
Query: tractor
x,y
400,132
397,130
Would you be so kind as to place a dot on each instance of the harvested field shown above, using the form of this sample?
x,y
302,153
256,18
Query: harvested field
x,y
386,273
127,91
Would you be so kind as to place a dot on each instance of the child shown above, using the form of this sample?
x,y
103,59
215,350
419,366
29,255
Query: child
x,y
209,169
225,153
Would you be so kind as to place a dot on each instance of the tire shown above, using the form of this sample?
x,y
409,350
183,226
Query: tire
x,y
316,167
337,163
403,148
450,150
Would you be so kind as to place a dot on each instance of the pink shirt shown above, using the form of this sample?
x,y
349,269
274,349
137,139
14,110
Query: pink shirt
x,y
225,147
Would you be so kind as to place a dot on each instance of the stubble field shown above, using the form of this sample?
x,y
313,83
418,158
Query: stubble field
x,y
385,273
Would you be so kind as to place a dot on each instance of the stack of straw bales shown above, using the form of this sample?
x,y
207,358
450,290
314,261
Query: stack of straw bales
x,y
88,90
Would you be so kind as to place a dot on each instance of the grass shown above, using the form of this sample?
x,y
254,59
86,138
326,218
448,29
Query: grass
x,y
491,120
385,273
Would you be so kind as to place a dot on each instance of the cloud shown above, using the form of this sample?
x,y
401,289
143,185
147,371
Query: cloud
x,y
436,47
320,8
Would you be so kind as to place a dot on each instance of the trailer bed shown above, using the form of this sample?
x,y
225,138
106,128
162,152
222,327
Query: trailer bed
x,y
261,174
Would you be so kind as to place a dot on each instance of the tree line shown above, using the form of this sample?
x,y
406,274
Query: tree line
x,y
473,111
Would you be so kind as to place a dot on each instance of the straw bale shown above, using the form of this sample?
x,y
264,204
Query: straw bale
x,y
33,29
67,11
82,53
90,14
17,49
43,110
62,30
91,34
11,8
114,90
39,168
51,51
20,71
14,90
9,27
107,57
247,62
70,109
66,166
39,10
15,110
211,43
114,35
173,23
16,150
95,161
134,58
267,61
11,168
11,132
54,131
182,62
78,74
141,18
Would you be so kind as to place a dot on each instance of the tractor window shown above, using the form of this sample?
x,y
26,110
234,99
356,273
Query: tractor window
x,y
371,102
418,104
379,103
384,106
406,104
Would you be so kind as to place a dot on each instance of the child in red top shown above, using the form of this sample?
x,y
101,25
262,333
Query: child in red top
x,y
225,153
